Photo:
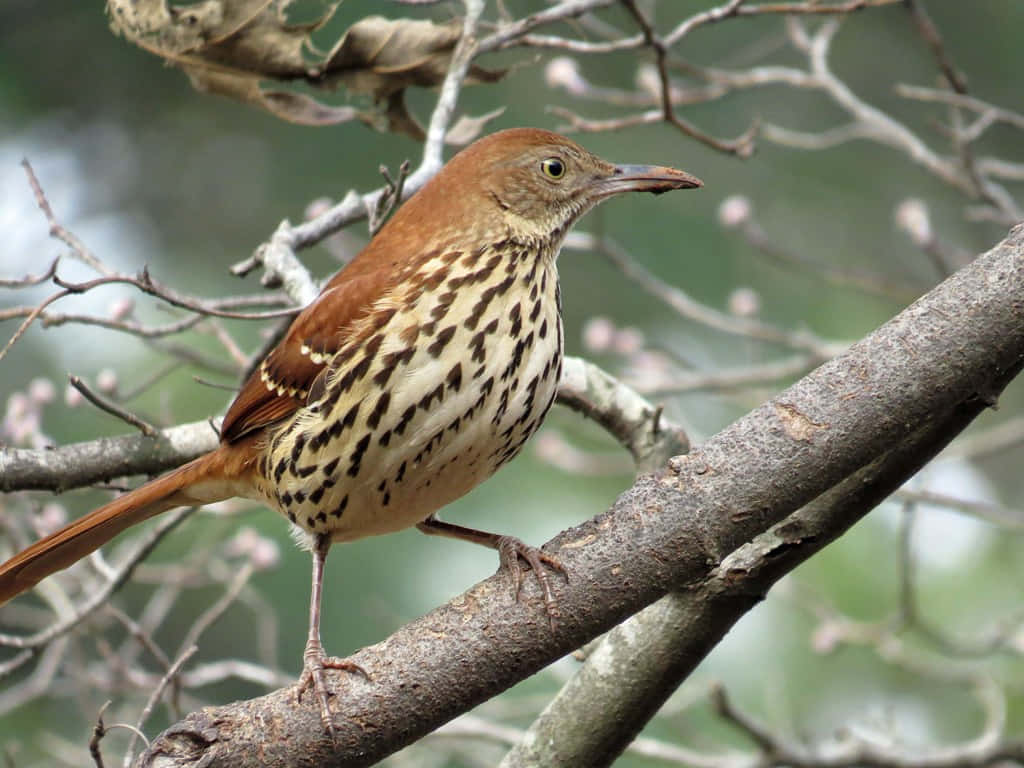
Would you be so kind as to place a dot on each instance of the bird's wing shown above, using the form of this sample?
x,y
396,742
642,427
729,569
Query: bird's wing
x,y
281,384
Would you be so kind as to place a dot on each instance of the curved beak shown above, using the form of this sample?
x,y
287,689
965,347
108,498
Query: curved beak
x,y
645,178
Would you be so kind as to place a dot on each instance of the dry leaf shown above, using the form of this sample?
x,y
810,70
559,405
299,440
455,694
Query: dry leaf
x,y
230,47
467,128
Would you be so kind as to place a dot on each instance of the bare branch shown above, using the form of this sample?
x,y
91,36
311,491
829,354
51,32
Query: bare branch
x,y
112,408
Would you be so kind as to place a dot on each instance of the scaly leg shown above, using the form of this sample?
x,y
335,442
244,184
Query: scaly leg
x,y
314,661
510,549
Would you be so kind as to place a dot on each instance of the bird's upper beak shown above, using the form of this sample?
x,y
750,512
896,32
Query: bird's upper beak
x,y
645,178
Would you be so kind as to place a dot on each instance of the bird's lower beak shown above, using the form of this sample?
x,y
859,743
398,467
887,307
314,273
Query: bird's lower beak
x,y
646,178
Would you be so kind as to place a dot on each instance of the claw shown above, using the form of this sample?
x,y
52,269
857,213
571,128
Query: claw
x,y
314,664
510,549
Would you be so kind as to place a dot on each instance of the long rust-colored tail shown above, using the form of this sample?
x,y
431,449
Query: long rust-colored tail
x,y
198,482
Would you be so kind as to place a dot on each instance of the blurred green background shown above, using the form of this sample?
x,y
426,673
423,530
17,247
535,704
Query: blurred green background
x,y
148,172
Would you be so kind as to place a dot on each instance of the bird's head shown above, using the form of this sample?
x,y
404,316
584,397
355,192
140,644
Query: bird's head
x,y
547,181
532,183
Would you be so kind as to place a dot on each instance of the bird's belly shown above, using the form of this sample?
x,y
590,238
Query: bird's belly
x,y
407,440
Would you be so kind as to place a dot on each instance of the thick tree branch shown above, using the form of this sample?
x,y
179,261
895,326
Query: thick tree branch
x,y
951,350
640,663
83,464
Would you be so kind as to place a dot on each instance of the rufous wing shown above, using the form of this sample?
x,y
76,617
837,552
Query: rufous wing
x,y
281,383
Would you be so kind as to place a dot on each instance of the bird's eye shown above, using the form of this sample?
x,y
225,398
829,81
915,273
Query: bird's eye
x,y
553,168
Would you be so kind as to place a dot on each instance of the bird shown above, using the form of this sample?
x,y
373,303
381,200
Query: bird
x,y
420,369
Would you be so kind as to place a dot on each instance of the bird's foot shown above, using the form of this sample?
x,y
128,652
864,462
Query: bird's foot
x,y
510,549
314,662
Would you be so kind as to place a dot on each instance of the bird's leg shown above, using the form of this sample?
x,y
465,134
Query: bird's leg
x,y
314,660
510,549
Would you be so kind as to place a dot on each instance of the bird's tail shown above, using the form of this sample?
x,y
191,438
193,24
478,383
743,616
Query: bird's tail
x,y
198,482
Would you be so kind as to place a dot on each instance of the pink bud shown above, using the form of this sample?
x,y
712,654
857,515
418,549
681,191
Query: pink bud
x,y
912,217
628,341
564,72
41,391
106,380
734,211
598,334
744,302
72,397
121,309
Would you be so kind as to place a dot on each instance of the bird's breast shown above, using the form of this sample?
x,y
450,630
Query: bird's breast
x,y
419,411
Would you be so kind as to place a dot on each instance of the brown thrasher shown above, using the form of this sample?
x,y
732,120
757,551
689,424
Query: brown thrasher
x,y
422,367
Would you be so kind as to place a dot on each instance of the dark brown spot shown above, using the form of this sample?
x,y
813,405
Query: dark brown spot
x,y
317,495
515,316
350,417
477,342
505,284
381,377
443,337
400,357
356,372
356,457
401,473
409,334
382,317
484,272
291,516
319,439
480,307
379,410
385,438
535,312
322,517
436,438
297,446
310,523
299,497
454,377
502,407
426,400
543,332
306,471
286,499
474,256
529,276
331,465
444,303
433,281
336,512
407,415
517,355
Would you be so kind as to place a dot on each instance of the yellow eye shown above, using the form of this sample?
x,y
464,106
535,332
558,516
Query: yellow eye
x,y
553,168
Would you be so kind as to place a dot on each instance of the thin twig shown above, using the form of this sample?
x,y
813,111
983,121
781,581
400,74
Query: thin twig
x,y
112,408
58,230
30,280
147,710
